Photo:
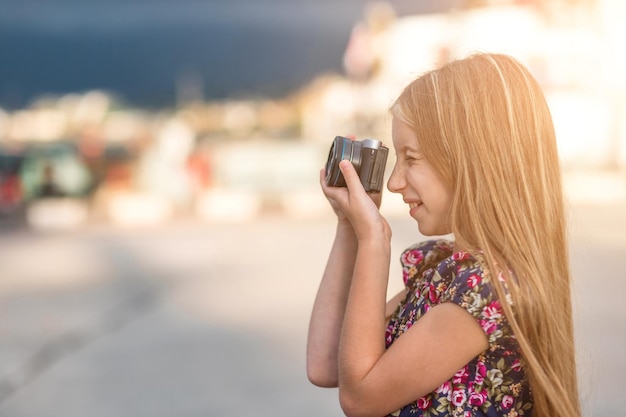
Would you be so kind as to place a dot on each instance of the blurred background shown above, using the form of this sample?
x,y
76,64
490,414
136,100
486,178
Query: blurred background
x,y
162,233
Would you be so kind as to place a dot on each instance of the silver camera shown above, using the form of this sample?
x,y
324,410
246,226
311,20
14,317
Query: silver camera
x,y
368,157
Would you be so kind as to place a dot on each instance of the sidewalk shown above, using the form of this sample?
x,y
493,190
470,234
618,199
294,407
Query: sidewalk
x,y
193,319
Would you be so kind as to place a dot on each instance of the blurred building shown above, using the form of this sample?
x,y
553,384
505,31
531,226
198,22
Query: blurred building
x,y
575,54
232,159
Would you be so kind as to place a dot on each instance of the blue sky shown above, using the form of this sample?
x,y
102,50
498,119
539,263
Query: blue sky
x,y
139,48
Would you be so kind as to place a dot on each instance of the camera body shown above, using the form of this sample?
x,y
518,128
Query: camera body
x,y
368,156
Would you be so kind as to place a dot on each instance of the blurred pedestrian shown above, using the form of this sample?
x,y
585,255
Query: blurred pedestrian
x,y
49,187
484,324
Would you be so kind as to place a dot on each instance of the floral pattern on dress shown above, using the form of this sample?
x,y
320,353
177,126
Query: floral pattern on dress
x,y
494,383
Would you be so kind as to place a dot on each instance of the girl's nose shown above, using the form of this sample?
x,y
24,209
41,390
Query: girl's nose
x,y
395,182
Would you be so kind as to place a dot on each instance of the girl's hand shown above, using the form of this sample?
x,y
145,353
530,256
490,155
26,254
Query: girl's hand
x,y
353,204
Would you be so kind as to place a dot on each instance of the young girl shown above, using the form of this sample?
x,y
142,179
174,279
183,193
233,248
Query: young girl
x,y
484,325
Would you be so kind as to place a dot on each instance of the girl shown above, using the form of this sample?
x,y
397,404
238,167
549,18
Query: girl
x,y
484,325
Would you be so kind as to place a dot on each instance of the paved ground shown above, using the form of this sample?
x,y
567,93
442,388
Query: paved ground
x,y
193,319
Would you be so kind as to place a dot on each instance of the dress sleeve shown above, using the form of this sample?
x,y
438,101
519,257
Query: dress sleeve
x,y
420,256
472,290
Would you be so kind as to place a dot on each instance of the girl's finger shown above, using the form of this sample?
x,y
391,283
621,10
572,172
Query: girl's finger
x,y
350,175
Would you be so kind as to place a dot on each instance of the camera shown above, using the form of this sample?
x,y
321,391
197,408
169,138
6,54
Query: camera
x,y
368,157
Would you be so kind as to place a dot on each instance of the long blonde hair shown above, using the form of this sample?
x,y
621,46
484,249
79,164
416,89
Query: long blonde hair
x,y
484,125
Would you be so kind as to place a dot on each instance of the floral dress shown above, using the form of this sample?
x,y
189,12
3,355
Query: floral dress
x,y
494,383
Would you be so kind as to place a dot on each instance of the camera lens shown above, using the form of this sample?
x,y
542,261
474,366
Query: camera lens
x,y
342,148
330,163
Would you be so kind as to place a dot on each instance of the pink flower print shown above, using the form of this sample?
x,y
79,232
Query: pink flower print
x,y
488,326
432,294
479,379
459,397
473,280
460,256
481,369
517,365
389,333
408,273
445,389
461,376
507,402
493,310
412,257
476,399
424,403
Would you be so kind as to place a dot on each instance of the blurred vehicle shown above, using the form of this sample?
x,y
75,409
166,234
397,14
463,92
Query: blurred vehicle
x,y
54,170
56,184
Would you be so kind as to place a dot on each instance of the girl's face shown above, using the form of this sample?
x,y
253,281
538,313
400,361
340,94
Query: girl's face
x,y
429,199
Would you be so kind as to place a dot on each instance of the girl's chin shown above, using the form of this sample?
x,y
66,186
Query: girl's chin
x,y
427,230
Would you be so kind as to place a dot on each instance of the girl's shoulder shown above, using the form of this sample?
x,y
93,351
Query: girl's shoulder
x,y
423,256
421,251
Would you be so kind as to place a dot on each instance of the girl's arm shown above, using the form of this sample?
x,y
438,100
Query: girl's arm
x,y
330,303
374,381
329,308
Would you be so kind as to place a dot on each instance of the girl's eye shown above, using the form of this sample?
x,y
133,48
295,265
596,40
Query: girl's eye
x,y
413,158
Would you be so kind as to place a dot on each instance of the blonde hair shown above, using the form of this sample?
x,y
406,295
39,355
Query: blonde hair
x,y
484,125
